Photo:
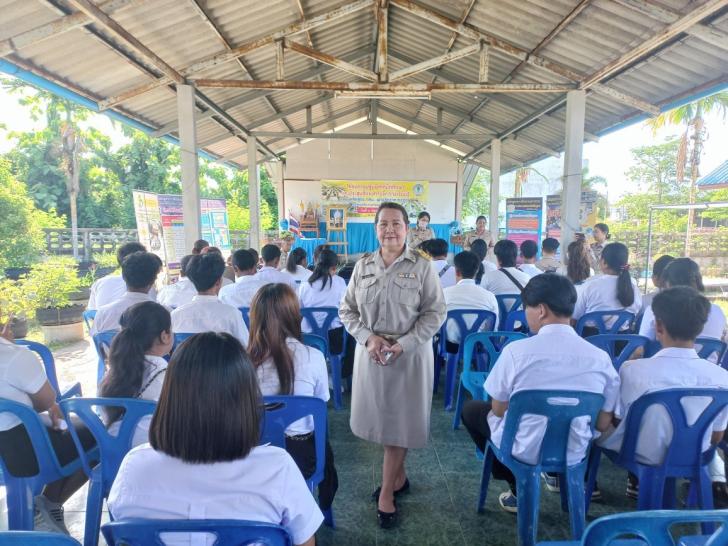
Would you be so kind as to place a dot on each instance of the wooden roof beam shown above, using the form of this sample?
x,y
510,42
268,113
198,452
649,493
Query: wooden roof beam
x,y
404,89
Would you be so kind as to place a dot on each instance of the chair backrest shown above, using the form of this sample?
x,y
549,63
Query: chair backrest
x,y
179,337
102,342
245,311
46,356
88,317
32,538
493,342
319,319
507,303
479,319
560,407
619,347
710,348
598,319
112,448
281,411
144,532
317,342
516,318
654,527
686,448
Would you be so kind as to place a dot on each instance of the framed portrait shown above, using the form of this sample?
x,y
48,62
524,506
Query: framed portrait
x,y
336,218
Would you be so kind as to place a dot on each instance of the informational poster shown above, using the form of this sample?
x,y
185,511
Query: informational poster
x,y
149,222
523,219
553,216
215,223
173,228
363,197
588,214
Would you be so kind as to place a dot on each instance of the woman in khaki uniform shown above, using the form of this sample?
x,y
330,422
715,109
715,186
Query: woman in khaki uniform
x,y
480,233
421,232
393,307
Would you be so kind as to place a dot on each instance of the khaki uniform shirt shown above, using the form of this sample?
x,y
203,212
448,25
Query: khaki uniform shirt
x,y
549,264
416,236
472,236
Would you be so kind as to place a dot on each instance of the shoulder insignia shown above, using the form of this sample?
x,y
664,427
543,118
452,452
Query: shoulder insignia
x,y
423,254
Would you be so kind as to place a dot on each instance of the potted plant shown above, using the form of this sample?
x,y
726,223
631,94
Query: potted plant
x,y
104,264
15,306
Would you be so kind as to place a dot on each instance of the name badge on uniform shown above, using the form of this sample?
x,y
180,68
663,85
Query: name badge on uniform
x,y
407,275
367,276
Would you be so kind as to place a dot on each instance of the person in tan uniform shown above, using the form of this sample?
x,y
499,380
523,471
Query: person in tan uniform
x,y
480,232
421,232
393,307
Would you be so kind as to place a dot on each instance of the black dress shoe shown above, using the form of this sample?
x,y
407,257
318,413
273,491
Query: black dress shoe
x,y
388,520
405,487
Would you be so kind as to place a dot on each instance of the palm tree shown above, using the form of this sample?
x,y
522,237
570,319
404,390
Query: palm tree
x,y
690,117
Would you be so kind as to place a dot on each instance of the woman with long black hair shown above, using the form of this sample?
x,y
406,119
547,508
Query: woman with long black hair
x,y
297,265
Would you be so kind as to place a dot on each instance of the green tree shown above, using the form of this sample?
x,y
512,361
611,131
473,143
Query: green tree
x,y
654,168
477,201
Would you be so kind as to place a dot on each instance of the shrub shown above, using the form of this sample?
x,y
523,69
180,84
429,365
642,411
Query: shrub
x,y
51,282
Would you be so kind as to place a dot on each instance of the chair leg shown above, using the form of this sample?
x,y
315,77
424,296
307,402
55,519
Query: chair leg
x,y
329,518
94,506
577,506
595,456
451,372
485,477
668,494
652,487
336,380
459,401
438,371
20,503
529,494
564,492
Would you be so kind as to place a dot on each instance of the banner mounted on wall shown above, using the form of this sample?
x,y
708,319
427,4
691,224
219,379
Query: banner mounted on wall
x,y
363,197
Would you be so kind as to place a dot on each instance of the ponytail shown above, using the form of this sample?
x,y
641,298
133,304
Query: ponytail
x,y
480,273
327,259
616,256
295,258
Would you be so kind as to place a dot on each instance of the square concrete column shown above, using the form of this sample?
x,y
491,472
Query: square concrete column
x,y
573,150
459,190
275,170
254,193
189,164
495,162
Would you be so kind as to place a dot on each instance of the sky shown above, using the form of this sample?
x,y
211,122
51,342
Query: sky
x,y
610,157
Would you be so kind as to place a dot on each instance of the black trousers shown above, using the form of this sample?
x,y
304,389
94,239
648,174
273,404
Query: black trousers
x,y
303,452
475,419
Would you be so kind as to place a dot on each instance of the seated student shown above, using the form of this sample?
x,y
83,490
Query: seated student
x,y
198,246
23,380
578,267
247,283
139,271
529,250
110,288
258,263
216,250
548,262
680,314
206,313
181,292
507,279
657,269
324,288
269,273
296,265
480,248
286,366
136,362
467,295
686,272
614,289
203,459
554,359
437,250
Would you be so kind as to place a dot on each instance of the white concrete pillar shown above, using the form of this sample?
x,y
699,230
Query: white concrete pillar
x,y
189,164
254,193
459,192
571,181
275,171
495,162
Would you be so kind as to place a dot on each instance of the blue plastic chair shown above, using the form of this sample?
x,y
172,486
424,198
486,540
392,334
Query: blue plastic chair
x,y
473,380
598,320
245,311
88,317
654,528
706,347
31,538
552,457
112,450
22,491
49,364
619,347
179,337
684,457
517,319
317,342
102,342
481,320
280,412
320,320
507,303
227,532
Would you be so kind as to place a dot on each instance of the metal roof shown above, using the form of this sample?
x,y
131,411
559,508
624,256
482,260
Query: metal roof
x,y
632,57
715,179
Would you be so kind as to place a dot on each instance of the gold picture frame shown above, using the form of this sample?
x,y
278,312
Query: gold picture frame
x,y
335,218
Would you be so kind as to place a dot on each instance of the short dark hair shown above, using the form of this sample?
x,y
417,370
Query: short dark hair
x,y
435,247
423,214
467,264
506,251
682,310
480,248
529,249
209,249
184,262
554,291
199,245
660,264
550,245
140,269
128,248
270,253
683,272
394,206
481,217
244,259
210,407
255,254
204,270
604,228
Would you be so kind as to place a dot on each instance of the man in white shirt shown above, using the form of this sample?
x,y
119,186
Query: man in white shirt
x,y
270,273
529,249
468,295
206,313
437,249
247,282
181,292
110,288
548,262
139,271
680,315
507,279
554,359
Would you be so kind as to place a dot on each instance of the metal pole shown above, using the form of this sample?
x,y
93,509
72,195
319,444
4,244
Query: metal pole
x,y
649,247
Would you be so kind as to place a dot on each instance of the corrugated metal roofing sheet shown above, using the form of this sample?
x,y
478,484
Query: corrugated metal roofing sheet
x,y
716,178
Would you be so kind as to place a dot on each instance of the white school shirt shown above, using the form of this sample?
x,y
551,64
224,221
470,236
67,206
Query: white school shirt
x,y
448,277
555,359
179,293
241,293
310,378
498,282
313,295
107,290
302,274
108,316
468,295
155,368
714,327
269,275
600,294
530,269
647,300
265,486
21,374
670,368
209,314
